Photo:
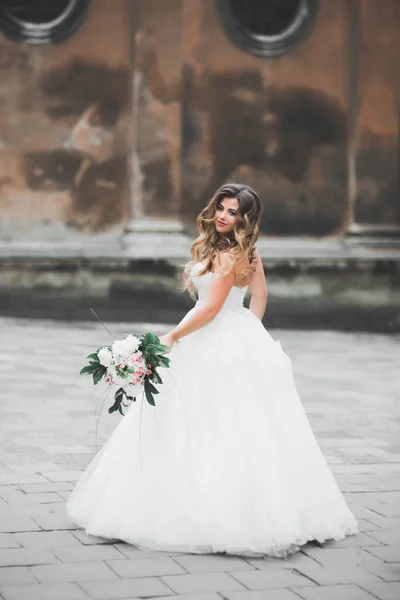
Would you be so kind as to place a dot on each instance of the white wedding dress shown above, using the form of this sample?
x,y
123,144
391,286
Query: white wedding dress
x,y
225,462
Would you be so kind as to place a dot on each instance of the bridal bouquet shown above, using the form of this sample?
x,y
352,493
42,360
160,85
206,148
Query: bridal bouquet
x,y
130,363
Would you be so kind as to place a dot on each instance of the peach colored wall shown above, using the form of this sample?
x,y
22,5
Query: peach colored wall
x,y
65,130
279,124
150,107
158,81
377,128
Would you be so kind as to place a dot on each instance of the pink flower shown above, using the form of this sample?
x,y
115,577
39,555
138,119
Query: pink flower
x,y
148,372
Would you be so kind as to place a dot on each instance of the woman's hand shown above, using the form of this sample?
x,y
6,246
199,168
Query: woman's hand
x,y
168,340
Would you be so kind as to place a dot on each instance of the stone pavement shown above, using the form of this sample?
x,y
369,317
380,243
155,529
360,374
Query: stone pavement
x,y
51,424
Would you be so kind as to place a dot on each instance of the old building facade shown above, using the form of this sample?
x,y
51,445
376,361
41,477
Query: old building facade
x,y
119,118
115,111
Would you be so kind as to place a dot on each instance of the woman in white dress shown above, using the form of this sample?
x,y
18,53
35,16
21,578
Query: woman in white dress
x,y
227,460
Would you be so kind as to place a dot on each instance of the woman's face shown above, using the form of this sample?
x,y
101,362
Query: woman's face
x,y
226,215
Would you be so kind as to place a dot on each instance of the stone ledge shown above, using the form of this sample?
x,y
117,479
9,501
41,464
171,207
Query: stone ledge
x,y
164,245
360,294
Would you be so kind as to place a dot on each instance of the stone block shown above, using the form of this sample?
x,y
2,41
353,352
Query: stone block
x,y
17,479
74,572
88,553
210,596
384,591
333,592
133,552
62,591
45,498
89,540
48,539
205,582
42,488
293,562
366,526
16,576
387,554
269,580
19,523
127,588
71,476
26,557
332,575
146,567
261,595
8,540
53,522
212,563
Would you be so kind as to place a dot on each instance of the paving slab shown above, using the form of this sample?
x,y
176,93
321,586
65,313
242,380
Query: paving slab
x,y
204,582
384,591
74,572
127,588
262,595
264,580
147,567
334,592
59,591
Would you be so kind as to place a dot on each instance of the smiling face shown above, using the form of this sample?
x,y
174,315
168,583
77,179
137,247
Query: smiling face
x,y
226,215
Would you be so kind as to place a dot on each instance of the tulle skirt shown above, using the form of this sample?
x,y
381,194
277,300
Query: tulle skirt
x,y
225,462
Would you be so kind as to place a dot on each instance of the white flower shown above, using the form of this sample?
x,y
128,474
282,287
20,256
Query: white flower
x,y
118,350
105,357
122,349
131,343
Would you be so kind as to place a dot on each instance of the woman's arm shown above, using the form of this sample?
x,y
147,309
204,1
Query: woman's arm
x,y
258,290
217,294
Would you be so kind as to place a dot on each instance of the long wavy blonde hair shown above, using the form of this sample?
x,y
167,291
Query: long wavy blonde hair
x,y
238,244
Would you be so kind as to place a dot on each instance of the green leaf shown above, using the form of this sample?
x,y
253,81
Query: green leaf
x,y
151,349
89,369
162,349
98,375
149,397
118,397
149,338
151,387
93,356
164,361
149,391
155,377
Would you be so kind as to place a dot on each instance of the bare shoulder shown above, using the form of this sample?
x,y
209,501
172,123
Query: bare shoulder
x,y
226,258
223,258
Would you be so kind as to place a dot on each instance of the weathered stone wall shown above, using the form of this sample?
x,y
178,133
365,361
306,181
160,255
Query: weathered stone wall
x,y
158,67
377,89
150,107
279,124
65,132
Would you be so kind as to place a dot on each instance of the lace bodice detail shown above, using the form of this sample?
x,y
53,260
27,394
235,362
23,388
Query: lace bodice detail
x,y
234,300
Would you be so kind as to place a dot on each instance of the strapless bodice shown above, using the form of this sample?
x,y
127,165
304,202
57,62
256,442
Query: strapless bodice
x,y
235,298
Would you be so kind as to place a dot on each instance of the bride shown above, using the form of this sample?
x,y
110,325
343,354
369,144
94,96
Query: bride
x,y
227,460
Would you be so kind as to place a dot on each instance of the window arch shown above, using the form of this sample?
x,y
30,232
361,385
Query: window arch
x,y
267,27
41,21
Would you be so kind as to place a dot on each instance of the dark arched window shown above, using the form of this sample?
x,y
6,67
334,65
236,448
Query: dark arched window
x,y
267,27
41,21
